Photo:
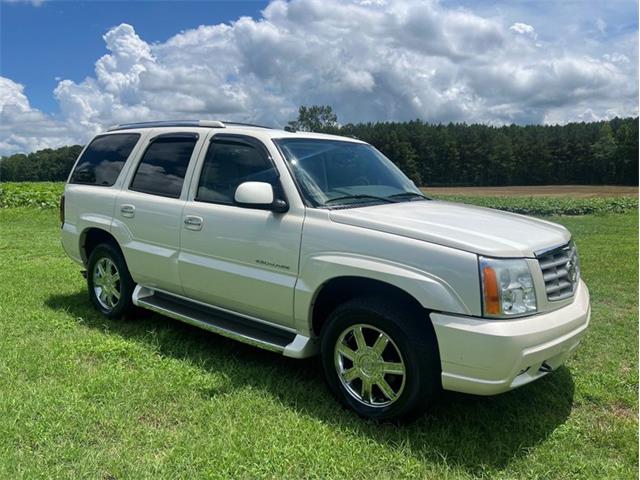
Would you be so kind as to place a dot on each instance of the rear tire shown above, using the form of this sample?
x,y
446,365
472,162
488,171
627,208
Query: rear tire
x,y
109,282
381,358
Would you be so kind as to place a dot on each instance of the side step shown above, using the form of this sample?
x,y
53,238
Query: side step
x,y
226,323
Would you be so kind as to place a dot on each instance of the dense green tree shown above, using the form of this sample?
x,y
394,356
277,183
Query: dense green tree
x,y
597,153
43,165
316,118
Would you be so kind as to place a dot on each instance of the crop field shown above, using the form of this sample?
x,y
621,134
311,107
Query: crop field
x,y
148,397
573,191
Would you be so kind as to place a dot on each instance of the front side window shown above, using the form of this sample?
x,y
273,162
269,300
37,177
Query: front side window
x,y
228,164
102,161
164,165
334,173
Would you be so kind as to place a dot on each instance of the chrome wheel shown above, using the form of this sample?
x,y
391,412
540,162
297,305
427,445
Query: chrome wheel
x,y
106,283
369,365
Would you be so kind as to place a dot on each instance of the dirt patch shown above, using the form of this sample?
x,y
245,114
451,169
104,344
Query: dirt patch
x,y
622,411
576,191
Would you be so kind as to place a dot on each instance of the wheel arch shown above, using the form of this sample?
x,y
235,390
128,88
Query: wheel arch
x,y
338,290
91,237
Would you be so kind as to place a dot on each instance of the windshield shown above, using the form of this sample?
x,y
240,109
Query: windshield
x,y
334,173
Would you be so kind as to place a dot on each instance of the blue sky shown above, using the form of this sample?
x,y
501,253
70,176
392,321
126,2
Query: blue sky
x,y
68,69
73,33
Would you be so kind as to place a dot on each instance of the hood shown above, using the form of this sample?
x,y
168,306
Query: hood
x,y
474,229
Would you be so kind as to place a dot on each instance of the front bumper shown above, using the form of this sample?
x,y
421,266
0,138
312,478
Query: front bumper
x,y
485,357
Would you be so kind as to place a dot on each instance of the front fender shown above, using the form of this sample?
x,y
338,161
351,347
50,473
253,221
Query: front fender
x,y
430,291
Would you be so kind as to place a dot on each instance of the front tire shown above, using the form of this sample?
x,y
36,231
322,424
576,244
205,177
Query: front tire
x,y
381,358
109,282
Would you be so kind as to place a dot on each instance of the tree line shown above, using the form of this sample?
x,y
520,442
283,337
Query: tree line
x,y
51,165
457,154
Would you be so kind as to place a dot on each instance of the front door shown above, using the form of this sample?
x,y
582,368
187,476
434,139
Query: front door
x,y
240,259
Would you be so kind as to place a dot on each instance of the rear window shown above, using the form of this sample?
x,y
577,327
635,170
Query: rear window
x,y
164,165
103,159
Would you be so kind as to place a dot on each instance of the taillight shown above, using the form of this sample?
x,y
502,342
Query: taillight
x,y
62,210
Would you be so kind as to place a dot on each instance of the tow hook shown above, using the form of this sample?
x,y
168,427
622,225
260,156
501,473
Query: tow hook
x,y
545,367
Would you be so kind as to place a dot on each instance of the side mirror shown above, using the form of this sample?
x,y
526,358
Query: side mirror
x,y
259,195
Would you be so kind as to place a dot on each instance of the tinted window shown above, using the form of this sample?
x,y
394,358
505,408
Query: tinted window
x,y
227,165
163,166
101,162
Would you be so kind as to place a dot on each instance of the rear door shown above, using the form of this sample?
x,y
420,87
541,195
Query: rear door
x,y
94,185
241,259
148,212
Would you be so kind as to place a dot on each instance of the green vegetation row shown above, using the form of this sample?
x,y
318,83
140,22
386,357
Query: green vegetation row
x,y
47,195
30,194
547,206
596,153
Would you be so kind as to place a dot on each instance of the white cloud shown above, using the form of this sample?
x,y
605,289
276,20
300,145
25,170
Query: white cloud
x,y
23,128
371,60
616,58
524,29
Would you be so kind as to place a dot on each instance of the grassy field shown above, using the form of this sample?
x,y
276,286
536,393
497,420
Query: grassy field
x,y
85,397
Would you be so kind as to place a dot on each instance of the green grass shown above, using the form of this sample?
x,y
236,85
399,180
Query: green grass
x,y
47,195
86,397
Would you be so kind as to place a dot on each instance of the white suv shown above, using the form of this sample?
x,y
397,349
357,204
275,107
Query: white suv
x,y
304,243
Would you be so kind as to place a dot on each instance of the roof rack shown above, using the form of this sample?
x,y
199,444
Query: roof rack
x,y
181,123
241,124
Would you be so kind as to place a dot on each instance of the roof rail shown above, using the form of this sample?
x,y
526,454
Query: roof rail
x,y
169,123
181,123
241,124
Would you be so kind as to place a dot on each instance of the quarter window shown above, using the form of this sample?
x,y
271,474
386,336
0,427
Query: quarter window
x,y
102,161
164,165
228,164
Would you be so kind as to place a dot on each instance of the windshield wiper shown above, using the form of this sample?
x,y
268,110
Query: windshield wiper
x,y
361,196
409,194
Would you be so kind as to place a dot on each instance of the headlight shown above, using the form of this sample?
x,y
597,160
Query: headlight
x,y
507,288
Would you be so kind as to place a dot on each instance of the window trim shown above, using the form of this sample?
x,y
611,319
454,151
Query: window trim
x,y
183,135
126,160
260,147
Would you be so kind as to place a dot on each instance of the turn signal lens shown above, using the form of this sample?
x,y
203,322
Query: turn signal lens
x,y
490,287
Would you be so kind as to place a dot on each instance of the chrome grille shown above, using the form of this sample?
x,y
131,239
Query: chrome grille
x,y
560,270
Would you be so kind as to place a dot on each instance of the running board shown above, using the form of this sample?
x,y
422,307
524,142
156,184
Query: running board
x,y
226,323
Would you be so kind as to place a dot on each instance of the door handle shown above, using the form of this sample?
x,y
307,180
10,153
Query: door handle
x,y
193,222
127,210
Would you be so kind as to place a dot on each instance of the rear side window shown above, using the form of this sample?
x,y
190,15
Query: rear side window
x,y
164,165
227,165
102,161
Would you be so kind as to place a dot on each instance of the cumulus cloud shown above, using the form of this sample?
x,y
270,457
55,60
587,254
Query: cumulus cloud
x,y
371,60
524,29
23,128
